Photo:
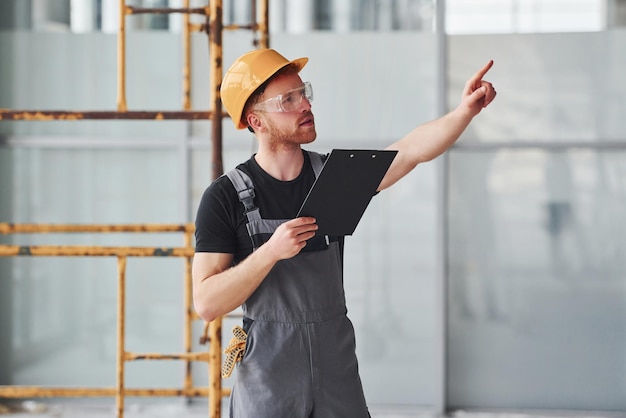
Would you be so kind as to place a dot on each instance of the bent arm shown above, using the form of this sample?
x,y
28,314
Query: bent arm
x,y
219,288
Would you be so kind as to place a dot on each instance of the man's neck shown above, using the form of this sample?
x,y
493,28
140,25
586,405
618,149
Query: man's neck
x,y
282,164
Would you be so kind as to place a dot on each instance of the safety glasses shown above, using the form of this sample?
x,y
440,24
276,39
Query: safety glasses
x,y
287,101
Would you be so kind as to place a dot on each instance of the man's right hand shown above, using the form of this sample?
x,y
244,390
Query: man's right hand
x,y
291,237
219,288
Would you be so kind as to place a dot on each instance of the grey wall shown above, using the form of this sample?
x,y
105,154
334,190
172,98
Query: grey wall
x,y
556,94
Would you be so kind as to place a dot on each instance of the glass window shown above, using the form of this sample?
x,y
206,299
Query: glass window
x,y
524,16
462,16
616,12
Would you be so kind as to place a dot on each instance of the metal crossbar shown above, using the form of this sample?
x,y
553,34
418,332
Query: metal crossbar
x,y
212,357
214,28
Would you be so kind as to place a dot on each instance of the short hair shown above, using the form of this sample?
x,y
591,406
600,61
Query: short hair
x,y
256,96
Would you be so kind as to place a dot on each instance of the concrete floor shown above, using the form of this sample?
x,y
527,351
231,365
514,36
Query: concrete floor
x,y
170,409
197,409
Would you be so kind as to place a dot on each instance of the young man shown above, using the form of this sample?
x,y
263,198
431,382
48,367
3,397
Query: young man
x,y
299,359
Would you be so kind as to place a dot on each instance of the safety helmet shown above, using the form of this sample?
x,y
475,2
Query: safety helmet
x,y
246,74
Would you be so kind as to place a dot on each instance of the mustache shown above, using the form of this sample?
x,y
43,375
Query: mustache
x,y
306,116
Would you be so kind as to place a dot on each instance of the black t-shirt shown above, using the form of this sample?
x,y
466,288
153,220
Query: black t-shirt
x,y
221,221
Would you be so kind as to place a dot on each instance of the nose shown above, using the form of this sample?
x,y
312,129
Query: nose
x,y
305,104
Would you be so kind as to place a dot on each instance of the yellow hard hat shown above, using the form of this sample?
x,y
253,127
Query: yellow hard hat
x,y
246,74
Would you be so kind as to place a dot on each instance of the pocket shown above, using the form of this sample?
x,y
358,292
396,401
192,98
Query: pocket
x,y
248,326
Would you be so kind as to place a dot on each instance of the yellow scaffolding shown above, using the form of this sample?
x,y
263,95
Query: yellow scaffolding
x,y
123,356
214,28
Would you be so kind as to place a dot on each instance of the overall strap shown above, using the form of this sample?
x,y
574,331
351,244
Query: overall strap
x,y
316,162
259,229
245,191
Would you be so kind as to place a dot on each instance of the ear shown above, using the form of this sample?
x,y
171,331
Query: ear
x,y
254,121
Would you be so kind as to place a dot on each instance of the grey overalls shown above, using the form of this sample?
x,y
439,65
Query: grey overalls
x,y
299,360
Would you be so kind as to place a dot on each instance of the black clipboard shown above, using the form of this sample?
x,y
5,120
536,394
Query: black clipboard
x,y
344,188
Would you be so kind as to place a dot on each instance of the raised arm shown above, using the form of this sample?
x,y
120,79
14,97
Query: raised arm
x,y
433,138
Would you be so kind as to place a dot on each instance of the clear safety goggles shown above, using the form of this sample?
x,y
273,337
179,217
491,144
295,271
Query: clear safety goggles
x,y
287,101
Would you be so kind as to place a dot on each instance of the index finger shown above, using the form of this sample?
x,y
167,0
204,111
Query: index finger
x,y
303,220
481,73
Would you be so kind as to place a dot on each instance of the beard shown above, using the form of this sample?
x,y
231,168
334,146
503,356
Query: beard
x,y
297,136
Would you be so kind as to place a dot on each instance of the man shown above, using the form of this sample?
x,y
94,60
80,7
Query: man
x,y
299,358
